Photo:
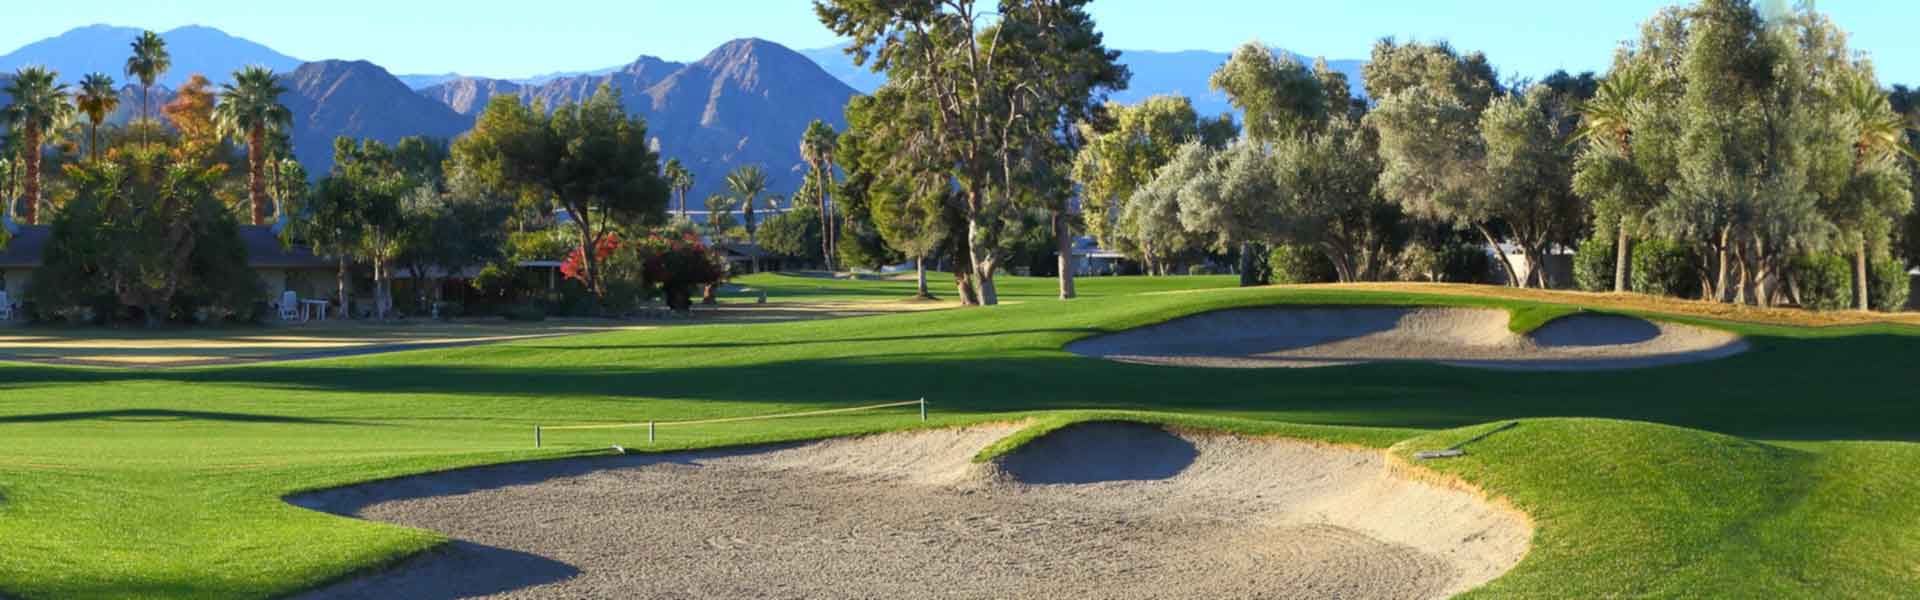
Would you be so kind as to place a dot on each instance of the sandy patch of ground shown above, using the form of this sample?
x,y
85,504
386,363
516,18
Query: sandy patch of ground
x,y
1093,510
1327,336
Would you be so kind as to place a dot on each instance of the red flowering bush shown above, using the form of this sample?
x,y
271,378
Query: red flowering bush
x,y
672,265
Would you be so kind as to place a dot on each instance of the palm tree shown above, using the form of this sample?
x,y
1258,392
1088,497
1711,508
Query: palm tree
x,y
680,180
1880,136
747,183
250,107
40,106
97,99
817,147
149,61
1607,119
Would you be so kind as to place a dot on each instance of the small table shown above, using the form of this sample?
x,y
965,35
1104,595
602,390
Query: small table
x,y
306,307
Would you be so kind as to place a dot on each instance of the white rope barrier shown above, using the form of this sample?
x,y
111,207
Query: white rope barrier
x,y
653,425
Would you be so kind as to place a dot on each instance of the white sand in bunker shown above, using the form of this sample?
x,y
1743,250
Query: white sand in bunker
x,y
1103,510
1329,336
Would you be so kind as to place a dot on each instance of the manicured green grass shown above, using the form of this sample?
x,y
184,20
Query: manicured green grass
x,y
1782,472
790,287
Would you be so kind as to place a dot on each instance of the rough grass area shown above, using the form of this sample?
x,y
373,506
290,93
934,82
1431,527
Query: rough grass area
x,y
125,483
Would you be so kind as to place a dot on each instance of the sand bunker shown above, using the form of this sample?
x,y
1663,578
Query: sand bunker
x,y
1327,336
1094,510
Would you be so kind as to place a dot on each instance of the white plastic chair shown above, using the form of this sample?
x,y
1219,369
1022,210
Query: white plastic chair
x,y
6,307
289,305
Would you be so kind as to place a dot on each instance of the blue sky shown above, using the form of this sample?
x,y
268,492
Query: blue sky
x,y
1523,37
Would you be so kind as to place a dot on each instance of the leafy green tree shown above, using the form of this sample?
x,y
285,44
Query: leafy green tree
x,y
139,231
1232,202
1156,217
39,108
1325,185
365,182
249,109
1396,68
97,99
1279,96
1620,179
149,61
1117,161
445,233
794,233
1529,162
987,98
590,157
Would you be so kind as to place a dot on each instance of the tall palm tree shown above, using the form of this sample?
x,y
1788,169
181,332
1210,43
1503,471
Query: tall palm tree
x,y
1607,119
680,180
817,147
149,61
1880,136
250,107
40,106
747,183
97,99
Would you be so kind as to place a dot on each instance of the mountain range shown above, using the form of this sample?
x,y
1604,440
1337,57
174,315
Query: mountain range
x,y
746,102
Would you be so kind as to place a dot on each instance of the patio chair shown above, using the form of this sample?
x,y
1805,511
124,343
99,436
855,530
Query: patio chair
x,y
289,305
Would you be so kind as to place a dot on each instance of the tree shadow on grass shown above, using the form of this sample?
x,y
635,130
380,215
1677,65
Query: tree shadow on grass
x,y
151,415
1783,388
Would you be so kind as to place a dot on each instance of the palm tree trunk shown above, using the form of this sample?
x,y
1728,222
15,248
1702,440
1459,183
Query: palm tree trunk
x,y
256,179
93,140
31,212
1860,277
1622,254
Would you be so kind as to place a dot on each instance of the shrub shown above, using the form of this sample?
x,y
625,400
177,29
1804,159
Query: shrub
x,y
1593,264
525,312
1201,270
1825,281
1664,268
1293,263
1888,285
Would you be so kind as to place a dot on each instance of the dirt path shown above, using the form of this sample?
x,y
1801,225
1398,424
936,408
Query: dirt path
x,y
1328,336
1101,510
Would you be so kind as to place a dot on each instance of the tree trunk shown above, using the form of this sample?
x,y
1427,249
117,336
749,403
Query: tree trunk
x,y
982,267
1860,277
826,221
340,280
93,141
1720,280
1248,278
1622,255
1506,264
31,151
256,180
920,277
1063,239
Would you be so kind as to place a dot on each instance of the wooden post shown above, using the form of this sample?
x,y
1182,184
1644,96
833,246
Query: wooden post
x,y
649,432
536,436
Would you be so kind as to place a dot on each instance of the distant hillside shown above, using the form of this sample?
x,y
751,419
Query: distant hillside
x,y
104,49
746,102
1154,73
359,99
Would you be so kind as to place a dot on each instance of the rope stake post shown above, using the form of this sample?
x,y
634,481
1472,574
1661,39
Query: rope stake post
x,y
536,436
923,410
649,432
